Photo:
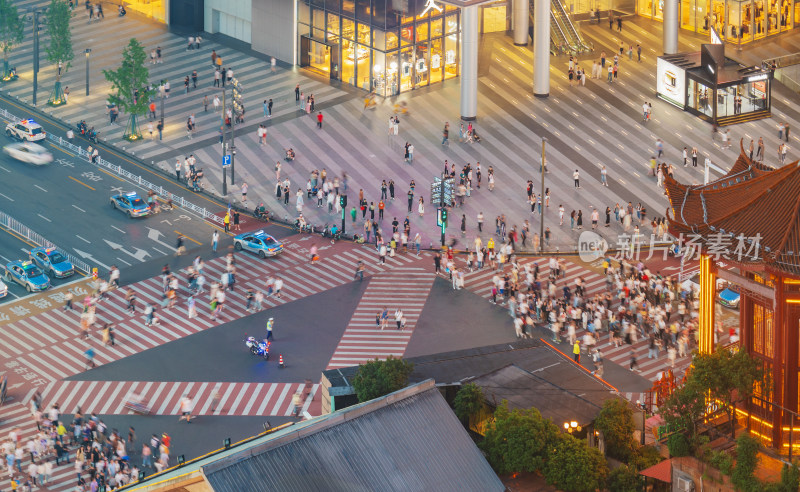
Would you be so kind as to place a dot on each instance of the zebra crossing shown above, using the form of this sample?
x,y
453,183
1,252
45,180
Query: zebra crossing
x,y
404,288
164,398
480,282
63,353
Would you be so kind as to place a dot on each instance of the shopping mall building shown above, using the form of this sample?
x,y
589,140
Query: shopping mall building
x,y
395,46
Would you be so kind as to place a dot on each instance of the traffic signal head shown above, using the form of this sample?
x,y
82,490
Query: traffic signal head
x,y
444,215
343,200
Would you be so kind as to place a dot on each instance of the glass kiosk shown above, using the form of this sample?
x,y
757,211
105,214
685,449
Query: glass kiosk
x,y
717,89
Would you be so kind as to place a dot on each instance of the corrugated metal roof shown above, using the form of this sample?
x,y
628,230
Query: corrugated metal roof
x,y
406,441
580,400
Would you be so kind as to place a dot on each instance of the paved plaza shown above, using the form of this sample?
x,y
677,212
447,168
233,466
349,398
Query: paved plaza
x,y
587,127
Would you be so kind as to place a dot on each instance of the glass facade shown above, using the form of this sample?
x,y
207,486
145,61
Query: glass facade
x,y
745,97
736,21
386,46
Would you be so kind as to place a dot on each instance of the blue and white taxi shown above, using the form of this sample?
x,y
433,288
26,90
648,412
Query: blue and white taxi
x,y
27,275
52,262
131,204
259,243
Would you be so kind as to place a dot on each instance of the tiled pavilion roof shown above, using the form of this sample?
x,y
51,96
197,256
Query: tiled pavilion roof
x,y
750,200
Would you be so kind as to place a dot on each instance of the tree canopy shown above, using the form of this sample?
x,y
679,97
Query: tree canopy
x,y
468,401
615,421
130,81
519,440
377,377
11,27
574,466
59,49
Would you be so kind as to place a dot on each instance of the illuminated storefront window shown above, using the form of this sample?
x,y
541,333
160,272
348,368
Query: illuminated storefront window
x,y
736,21
155,9
380,45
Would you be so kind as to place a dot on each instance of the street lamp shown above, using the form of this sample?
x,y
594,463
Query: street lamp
x,y
88,51
36,13
572,427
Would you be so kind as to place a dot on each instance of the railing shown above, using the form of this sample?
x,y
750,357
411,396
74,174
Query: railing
x,y
160,191
789,82
100,162
781,61
12,224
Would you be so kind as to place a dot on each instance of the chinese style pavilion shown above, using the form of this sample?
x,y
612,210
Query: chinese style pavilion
x,y
746,228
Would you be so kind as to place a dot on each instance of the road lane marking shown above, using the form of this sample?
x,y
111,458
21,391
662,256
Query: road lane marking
x,y
81,182
113,176
79,208
37,186
7,197
82,239
120,230
4,169
45,218
123,261
189,238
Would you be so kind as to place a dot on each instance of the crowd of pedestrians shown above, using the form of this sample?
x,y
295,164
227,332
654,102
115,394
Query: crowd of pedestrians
x,y
99,456
635,305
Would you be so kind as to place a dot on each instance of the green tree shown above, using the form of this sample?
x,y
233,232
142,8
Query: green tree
x,y
129,84
59,49
790,478
575,467
11,33
624,479
726,376
684,408
743,476
377,377
615,421
469,401
519,440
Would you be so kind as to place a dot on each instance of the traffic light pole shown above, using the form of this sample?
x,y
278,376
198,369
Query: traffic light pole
x,y
343,204
442,212
35,54
541,216
224,147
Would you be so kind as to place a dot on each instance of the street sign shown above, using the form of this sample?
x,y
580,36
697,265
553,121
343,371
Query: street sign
x,y
226,161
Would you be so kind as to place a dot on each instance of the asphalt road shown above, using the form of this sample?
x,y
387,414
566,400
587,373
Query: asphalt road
x,y
67,202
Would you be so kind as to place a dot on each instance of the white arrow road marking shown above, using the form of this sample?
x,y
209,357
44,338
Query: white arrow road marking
x,y
140,254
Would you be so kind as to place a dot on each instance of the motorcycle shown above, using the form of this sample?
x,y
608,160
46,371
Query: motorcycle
x,y
302,228
86,132
258,347
332,232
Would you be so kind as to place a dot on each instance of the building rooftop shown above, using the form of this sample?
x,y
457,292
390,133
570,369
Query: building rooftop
x,y
754,202
409,440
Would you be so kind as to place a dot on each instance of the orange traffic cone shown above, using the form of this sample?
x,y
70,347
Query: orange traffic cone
x,y
280,361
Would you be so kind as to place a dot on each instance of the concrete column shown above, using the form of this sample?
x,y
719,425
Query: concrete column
x,y
541,48
469,63
521,22
671,27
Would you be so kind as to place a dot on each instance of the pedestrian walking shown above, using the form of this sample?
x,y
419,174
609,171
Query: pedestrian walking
x,y
214,241
576,179
319,120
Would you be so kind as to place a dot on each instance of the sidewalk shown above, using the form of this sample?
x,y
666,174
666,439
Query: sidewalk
x,y
599,124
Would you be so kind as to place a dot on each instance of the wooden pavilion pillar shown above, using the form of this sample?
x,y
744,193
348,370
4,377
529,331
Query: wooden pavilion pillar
x,y
708,288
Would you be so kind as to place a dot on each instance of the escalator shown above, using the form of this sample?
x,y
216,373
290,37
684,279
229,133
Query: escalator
x,y
565,39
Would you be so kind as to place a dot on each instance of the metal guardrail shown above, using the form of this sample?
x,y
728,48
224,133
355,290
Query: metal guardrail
x,y
12,224
781,61
100,162
160,191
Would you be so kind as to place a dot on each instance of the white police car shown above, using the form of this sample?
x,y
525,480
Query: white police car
x,y
26,130
3,289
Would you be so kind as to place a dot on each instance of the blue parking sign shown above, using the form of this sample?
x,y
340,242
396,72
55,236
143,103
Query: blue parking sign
x,y
226,161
